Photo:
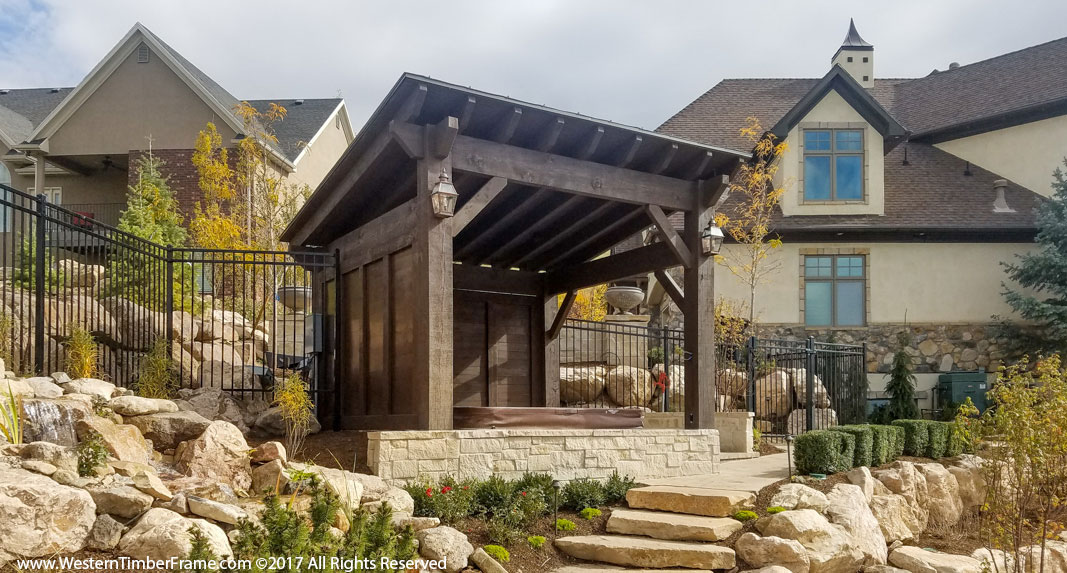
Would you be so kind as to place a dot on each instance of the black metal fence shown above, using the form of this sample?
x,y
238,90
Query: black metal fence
x,y
790,385
230,319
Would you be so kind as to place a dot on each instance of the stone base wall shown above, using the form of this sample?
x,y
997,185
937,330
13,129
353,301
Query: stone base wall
x,y
399,456
735,428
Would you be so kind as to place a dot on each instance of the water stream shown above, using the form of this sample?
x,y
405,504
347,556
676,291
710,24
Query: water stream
x,y
49,421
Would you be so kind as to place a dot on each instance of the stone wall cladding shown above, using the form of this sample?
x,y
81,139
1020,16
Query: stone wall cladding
x,y
400,456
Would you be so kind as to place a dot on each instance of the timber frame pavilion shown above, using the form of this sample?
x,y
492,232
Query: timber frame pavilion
x,y
463,311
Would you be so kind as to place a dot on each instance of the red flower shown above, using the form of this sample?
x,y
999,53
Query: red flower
x,y
446,489
523,493
429,492
466,487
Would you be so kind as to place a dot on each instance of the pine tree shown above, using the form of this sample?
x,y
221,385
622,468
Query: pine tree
x,y
901,385
1043,273
151,209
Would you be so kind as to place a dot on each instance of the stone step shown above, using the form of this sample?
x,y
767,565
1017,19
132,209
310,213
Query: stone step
x,y
673,526
601,568
632,551
691,500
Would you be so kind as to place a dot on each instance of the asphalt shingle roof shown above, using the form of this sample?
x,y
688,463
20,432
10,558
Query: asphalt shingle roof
x,y
301,123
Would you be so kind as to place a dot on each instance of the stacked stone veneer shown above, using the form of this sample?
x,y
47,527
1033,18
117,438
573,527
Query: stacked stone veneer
x,y
565,453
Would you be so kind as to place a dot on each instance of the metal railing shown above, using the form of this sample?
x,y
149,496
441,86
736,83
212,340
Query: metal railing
x,y
106,213
229,319
790,385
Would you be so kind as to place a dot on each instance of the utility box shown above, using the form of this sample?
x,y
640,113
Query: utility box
x,y
956,387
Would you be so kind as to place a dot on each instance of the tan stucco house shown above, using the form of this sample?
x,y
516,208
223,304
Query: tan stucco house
x,y
143,95
904,197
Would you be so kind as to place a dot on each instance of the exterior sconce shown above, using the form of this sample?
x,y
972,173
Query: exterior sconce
x,y
711,240
444,197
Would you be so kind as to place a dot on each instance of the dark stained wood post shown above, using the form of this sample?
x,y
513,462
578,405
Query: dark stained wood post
x,y
699,312
551,349
433,286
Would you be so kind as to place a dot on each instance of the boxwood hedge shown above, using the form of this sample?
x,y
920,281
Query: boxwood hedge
x,y
882,443
824,451
896,442
916,436
939,435
863,452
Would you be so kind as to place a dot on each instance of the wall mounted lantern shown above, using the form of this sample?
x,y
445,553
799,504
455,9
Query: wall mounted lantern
x,y
444,197
711,240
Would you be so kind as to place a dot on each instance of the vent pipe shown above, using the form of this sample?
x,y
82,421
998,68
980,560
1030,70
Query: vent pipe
x,y
1000,204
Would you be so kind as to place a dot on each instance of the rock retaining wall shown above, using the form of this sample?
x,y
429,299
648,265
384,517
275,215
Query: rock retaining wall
x,y
566,454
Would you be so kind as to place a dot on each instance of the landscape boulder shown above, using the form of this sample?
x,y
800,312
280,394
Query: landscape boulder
x,y
214,510
581,383
123,441
271,423
848,508
162,534
830,548
823,418
967,469
120,500
62,457
41,518
917,560
903,479
220,453
105,534
896,517
763,551
138,406
774,395
862,477
446,544
800,388
52,420
91,386
628,386
212,404
169,429
799,496
943,494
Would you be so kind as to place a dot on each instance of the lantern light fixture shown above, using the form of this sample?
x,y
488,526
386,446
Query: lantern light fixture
x,y
711,240
443,196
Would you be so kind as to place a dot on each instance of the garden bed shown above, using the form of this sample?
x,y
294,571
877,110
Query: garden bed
x,y
526,559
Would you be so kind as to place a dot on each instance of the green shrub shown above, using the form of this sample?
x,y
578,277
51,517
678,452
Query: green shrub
x,y
916,436
589,513
497,552
501,529
539,484
824,451
565,525
939,437
956,443
616,487
92,454
881,444
449,501
536,541
157,376
494,496
745,515
862,454
896,442
582,493
775,509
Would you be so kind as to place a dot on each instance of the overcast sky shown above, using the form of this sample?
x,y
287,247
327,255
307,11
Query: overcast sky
x,y
627,61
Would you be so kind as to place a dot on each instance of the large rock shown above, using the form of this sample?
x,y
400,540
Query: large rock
x,y
733,383
162,534
800,388
120,500
44,387
967,469
270,477
919,560
105,534
774,396
629,386
446,544
124,441
943,494
132,317
212,404
581,383
830,548
138,406
169,429
675,526
994,559
184,326
399,501
269,451
799,496
485,563
220,453
694,501
797,423
1053,555
271,423
91,386
763,551
347,486
62,457
903,479
226,374
642,552
862,477
896,517
217,511
41,518
848,508
149,482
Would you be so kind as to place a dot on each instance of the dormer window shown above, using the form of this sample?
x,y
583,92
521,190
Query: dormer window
x,y
833,165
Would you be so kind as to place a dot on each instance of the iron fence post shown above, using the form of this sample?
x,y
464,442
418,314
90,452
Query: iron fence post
x,y
169,286
750,364
38,285
810,382
338,339
666,367
861,400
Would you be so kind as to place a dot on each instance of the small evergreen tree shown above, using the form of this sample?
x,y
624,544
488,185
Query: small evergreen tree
x,y
901,385
151,209
1044,272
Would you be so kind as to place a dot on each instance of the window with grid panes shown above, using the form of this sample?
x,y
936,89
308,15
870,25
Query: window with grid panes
x,y
833,164
835,290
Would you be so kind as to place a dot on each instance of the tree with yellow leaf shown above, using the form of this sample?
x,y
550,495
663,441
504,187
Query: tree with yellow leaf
x,y
749,225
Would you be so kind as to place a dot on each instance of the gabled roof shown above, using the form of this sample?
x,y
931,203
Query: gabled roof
x,y
302,121
852,92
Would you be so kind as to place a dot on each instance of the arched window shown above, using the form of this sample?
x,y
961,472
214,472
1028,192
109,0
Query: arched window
x,y
5,175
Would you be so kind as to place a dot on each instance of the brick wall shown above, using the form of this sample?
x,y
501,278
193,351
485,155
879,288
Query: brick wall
x,y
181,173
566,454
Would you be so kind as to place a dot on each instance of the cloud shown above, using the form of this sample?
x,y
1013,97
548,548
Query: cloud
x,y
634,62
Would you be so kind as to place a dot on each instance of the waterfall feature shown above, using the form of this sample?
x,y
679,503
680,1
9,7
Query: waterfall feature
x,y
49,421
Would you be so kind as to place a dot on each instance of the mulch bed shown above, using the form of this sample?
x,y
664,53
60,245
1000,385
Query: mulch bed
x,y
525,559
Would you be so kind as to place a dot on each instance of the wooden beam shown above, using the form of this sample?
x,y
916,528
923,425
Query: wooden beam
x,y
699,328
576,227
700,166
666,159
580,177
669,235
630,150
529,204
639,261
592,239
713,192
482,197
486,279
382,235
671,287
465,115
551,356
442,136
508,124
351,176
561,315
538,226
551,135
591,143
412,106
411,138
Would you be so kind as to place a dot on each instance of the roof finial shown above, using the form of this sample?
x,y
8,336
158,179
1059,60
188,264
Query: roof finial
x,y
853,39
